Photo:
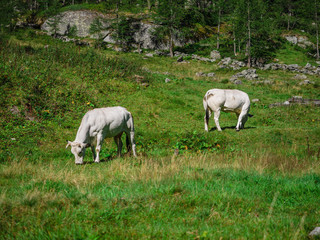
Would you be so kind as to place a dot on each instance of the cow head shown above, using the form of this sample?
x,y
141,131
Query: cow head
x,y
78,150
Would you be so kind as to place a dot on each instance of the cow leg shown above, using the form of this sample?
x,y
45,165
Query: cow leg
x,y
206,119
241,120
98,147
244,120
216,118
93,152
128,142
119,143
238,114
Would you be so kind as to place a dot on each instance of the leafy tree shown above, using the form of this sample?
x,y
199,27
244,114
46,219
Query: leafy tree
x,y
71,30
54,25
253,27
169,15
316,25
310,20
101,29
124,30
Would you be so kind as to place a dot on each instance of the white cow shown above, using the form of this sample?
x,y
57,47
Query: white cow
x,y
227,100
98,124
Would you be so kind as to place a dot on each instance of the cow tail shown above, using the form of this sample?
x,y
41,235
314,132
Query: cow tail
x,y
131,123
205,105
128,135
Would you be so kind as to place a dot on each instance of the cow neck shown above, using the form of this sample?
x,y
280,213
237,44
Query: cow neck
x,y
82,134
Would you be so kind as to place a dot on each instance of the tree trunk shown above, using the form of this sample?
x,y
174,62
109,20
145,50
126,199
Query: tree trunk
x,y
317,27
289,15
171,43
149,5
218,36
249,38
234,45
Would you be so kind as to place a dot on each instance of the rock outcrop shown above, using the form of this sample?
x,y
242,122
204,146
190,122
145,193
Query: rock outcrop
x,y
301,41
249,74
308,69
297,100
82,21
231,63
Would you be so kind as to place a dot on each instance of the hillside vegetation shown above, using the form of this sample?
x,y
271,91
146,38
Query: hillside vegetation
x,y
261,182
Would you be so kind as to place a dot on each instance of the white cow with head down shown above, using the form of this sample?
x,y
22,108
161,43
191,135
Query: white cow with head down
x,y
98,124
227,100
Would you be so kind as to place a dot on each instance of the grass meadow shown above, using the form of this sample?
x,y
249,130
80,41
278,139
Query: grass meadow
x,y
260,183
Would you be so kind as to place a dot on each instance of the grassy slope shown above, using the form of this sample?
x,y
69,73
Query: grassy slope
x,y
263,181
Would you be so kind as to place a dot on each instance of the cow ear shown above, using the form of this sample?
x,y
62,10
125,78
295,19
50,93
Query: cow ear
x,y
68,144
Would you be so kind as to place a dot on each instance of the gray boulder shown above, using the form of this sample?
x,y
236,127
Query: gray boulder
x,y
300,77
231,63
204,59
237,82
211,74
301,41
81,20
315,232
306,82
293,67
215,55
249,74
201,74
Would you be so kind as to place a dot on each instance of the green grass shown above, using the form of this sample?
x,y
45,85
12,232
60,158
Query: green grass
x,y
291,54
262,182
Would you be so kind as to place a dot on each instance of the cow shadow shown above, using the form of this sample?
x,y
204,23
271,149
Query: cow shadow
x,y
230,127
101,161
108,159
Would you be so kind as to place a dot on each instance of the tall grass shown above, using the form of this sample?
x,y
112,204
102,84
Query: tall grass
x,y
181,197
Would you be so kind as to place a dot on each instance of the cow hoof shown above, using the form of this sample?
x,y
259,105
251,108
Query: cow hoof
x,y
79,163
237,130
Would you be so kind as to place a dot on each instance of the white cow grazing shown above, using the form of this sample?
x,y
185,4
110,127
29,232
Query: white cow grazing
x,y
98,124
227,100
